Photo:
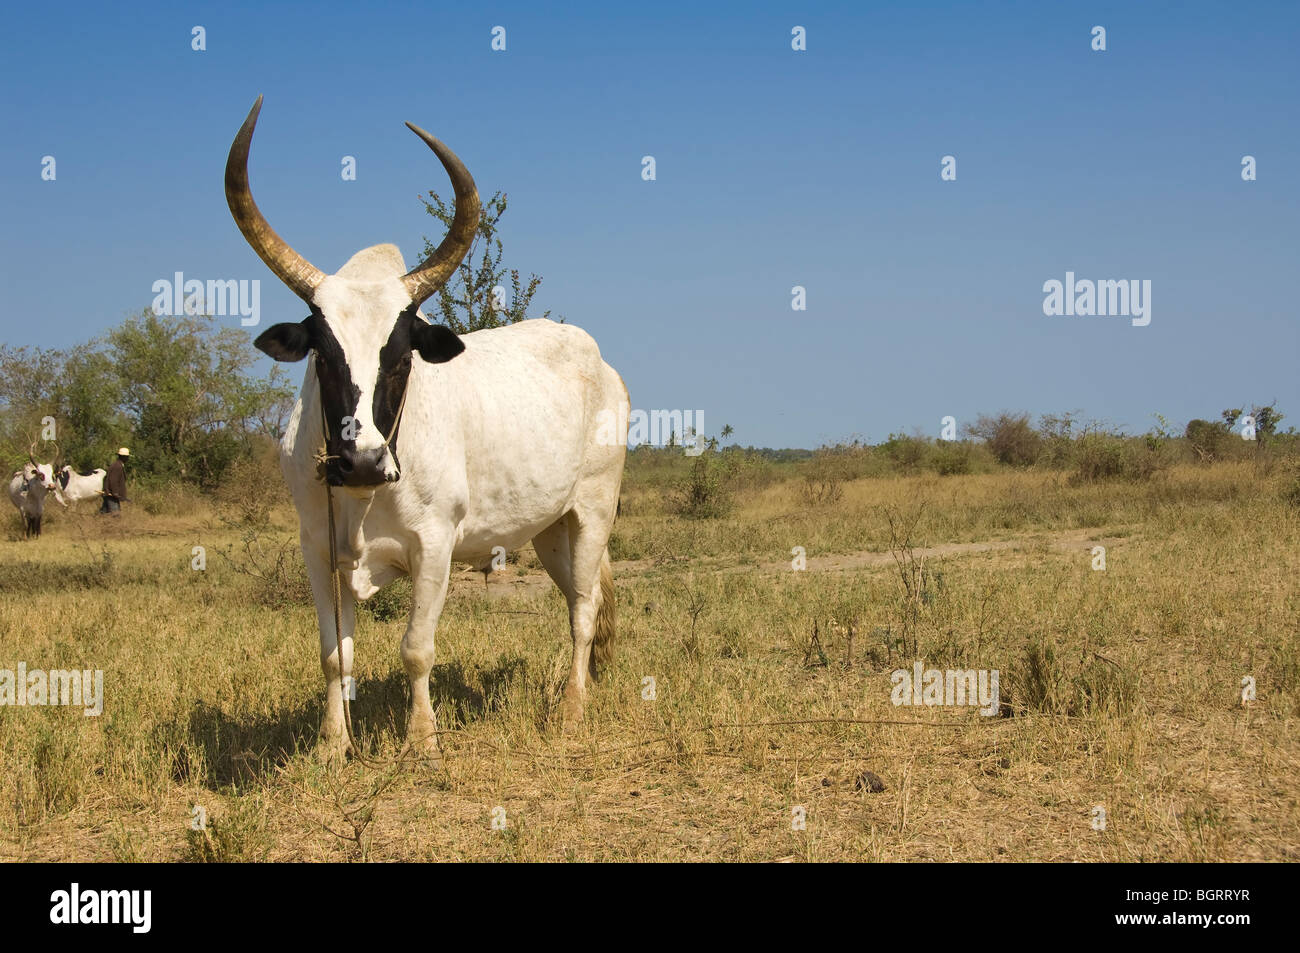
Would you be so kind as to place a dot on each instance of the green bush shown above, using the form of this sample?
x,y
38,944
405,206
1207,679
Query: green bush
x,y
702,493
1108,456
951,457
1209,441
907,454
393,601
1010,438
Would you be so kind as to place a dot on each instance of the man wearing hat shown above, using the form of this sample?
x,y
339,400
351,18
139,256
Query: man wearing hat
x,y
115,483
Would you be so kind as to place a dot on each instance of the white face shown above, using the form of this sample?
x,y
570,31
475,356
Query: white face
x,y
361,316
364,332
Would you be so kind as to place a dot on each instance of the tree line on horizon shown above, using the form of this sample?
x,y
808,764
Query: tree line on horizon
x,y
184,393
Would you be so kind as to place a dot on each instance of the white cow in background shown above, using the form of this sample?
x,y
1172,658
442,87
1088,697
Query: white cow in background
x,y
28,489
81,486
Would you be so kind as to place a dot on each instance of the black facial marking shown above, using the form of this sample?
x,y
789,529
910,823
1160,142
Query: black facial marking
x,y
390,382
339,394
435,344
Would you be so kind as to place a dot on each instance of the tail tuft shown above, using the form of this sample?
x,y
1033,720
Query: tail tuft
x,y
602,649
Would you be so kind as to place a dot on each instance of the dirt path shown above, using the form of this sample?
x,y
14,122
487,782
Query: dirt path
x,y
535,582
1082,540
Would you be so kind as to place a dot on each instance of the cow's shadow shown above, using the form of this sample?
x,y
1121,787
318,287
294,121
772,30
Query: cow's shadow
x,y
245,750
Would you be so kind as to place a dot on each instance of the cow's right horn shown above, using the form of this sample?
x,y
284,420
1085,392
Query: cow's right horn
x,y
297,272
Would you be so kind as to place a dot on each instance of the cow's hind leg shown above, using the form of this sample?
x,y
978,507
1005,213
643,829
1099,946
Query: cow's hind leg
x,y
573,552
429,574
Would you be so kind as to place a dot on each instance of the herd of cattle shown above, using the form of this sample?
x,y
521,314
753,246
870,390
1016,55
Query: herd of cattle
x,y
31,486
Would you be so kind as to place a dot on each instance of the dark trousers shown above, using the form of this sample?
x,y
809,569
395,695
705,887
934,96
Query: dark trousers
x,y
110,506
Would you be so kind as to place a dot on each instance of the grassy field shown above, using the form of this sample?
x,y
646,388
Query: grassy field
x,y
1121,689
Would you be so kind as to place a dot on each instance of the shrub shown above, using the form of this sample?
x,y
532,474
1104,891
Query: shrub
x,y
393,601
1208,440
273,562
906,453
821,491
702,493
951,457
1108,456
743,469
825,475
1010,438
253,485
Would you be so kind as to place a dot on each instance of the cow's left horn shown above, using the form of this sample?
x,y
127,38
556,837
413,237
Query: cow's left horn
x,y
297,272
426,278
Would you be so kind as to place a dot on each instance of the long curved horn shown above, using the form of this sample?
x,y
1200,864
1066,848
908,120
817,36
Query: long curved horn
x,y
31,453
426,278
297,272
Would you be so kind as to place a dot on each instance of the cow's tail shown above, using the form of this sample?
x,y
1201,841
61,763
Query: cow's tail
x,y
602,648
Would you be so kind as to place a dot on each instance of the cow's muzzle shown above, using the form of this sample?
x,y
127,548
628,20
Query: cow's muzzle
x,y
362,468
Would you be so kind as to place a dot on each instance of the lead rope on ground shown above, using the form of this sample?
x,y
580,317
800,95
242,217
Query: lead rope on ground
x,y
323,456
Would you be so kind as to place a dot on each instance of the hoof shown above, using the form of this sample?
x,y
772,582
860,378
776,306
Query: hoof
x,y
422,744
417,754
570,716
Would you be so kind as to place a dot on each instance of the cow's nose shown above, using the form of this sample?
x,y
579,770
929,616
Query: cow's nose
x,y
361,467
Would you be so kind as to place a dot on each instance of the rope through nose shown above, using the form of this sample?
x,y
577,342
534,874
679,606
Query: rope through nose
x,y
336,580
323,456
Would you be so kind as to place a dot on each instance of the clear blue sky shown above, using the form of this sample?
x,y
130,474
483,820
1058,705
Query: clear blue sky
x,y
775,168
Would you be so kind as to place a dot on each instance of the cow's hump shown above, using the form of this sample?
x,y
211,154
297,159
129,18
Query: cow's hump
x,y
374,264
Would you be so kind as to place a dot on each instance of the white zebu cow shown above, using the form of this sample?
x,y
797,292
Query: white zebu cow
x,y
494,442
28,489
81,486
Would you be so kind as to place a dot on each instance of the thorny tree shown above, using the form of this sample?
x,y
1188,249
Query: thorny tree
x,y
476,297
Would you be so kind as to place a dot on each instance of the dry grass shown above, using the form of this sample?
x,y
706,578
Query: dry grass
x,y
1124,686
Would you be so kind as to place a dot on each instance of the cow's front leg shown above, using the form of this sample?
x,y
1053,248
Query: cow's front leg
x,y
333,737
430,570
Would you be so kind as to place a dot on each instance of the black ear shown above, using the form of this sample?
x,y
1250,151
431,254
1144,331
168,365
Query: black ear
x,y
285,342
436,343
